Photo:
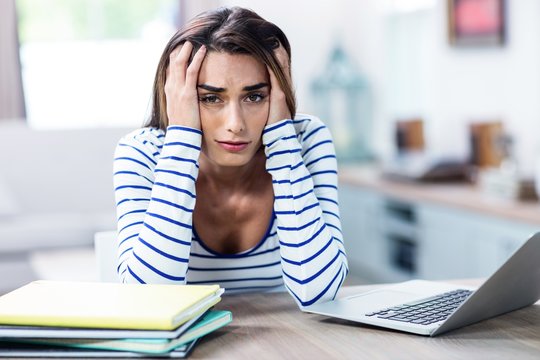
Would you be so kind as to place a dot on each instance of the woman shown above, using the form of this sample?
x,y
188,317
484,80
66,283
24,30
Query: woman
x,y
222,185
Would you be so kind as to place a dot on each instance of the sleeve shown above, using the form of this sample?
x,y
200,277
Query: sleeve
x,y
307,211
155,198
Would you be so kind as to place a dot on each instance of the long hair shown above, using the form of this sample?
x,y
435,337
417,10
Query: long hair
x,y
231,30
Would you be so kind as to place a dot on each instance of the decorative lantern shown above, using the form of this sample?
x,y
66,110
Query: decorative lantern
x,y
343,101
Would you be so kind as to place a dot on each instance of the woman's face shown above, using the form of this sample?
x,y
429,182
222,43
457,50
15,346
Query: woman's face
x,y
234,103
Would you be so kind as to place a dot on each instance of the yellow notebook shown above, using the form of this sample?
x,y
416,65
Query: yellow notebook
x,y
106,305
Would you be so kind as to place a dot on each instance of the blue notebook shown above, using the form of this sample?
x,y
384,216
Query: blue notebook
x,y
211,321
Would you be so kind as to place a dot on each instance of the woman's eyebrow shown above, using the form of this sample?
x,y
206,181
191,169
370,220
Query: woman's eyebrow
x,y
211,88
220,89
255,87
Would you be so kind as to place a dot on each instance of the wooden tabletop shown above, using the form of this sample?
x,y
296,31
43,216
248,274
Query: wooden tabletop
x,y
270,326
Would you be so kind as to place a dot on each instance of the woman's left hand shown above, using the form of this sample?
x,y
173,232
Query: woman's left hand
x,y
278,104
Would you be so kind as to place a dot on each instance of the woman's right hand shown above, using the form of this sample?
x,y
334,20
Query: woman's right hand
x,y
181,86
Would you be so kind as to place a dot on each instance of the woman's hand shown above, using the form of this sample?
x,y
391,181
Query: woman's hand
x,y
278,104
181,86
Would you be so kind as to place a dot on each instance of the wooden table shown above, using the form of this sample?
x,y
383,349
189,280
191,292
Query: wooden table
x,y
270,326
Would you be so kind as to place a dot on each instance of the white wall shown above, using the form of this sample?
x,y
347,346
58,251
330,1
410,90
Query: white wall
x,y
454,86
313,27
415,72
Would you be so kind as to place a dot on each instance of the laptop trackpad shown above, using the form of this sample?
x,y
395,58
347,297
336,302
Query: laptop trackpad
x,y
380,299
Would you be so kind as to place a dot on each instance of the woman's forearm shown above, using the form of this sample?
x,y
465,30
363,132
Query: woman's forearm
x,y
155,196
306,205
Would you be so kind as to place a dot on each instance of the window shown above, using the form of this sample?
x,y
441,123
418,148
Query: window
x,y
91,63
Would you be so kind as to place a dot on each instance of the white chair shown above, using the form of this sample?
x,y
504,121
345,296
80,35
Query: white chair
x,y
105,250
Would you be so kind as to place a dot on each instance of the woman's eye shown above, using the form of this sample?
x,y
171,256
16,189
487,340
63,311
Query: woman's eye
x,y
209,99
255,97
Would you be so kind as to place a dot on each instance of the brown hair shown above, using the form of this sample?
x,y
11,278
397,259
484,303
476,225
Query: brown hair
x,y
231,30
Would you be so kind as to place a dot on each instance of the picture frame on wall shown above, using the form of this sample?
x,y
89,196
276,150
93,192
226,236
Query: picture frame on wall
x,y
474,23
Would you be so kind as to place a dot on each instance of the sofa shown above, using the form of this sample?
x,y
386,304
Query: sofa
x,y
55,186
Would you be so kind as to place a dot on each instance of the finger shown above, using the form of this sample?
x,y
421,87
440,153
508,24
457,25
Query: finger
x,y
192,73
274,83
283,59
178,61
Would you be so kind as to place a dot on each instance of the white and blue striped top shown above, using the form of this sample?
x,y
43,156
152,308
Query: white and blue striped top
x,y
154,179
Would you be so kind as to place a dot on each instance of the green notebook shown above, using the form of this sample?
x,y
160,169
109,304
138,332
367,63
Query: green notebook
x,y
211,321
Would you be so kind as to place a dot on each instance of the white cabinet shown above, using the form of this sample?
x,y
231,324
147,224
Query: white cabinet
x,y
390,239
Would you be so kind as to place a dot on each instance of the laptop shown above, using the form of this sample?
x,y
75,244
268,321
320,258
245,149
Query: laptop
x,y
432,308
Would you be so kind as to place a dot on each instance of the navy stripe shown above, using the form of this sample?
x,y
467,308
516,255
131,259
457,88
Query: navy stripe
x,y
317,297
331,213
179,143
292,212
165,218
132,187
172,204
134,160
282,152
178,241
313,132
132,224
274,127
126,239
177,158
175,189
162,253
135,276
298,121
325,186
225,256
240,279
131,212
285,167
175,173
314,276
293,181
305,261
140,152
329,200
317,145
324,172
280,197
320,158
283,138
123,252
184,128
340,283
235,268
293,228
300,244
159,272
132,173
335,227
132,199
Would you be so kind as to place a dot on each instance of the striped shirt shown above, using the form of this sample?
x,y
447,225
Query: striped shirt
x,y
154,178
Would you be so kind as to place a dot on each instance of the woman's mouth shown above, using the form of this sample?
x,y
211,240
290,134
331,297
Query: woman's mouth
x,y
233,146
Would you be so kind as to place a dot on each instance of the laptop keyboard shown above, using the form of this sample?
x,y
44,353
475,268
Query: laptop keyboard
x,y
425,311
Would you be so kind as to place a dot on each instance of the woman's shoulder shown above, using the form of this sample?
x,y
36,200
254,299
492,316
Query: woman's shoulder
x,y
307,126
147,137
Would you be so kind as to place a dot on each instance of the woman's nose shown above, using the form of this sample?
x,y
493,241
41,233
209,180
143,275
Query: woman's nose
x,y
235,119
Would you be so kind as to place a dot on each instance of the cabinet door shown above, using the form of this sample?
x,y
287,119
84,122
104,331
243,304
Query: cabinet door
x,y
447,247
360,221
498,240
463,244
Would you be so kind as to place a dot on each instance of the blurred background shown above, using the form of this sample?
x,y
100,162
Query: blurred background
x,y
434,106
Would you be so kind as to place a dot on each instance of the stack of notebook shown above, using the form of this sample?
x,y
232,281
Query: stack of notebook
x,y
85,319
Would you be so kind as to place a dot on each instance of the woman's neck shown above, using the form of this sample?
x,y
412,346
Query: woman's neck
x,y
232,178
